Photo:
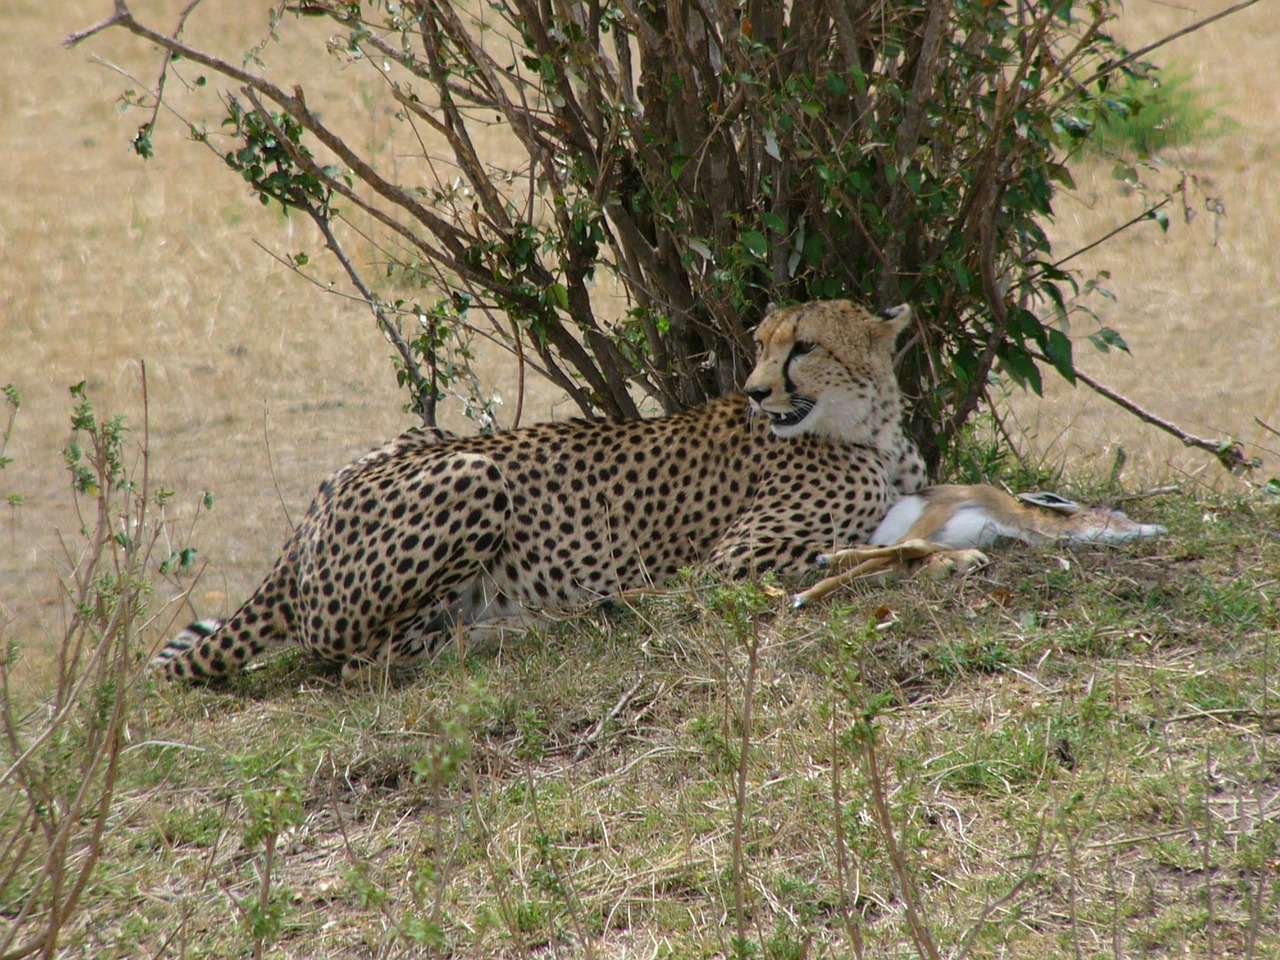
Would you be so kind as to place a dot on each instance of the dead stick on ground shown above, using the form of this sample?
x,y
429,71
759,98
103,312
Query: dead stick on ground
x,y
597,731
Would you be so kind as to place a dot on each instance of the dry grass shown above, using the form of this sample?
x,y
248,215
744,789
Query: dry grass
x,y
1078,752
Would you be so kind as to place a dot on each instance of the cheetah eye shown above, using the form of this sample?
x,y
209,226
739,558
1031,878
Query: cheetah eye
x,y
801,347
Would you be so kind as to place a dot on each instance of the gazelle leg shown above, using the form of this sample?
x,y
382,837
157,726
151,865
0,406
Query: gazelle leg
x,y
914,557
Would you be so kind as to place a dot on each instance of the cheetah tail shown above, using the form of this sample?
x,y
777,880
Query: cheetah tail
x,y
199,652
173,662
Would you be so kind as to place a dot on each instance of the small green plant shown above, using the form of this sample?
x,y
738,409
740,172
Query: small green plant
x,y
742,606
1153,111
272,795
862,737
12,402
63,755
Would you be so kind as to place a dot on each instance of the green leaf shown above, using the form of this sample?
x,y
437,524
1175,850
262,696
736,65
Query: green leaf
x,y
1020,365
773,222
1058,350
756,243
1054,293
142,144
1060,173
814,247
1106,338
1026,325
558,296
859,79
1074,126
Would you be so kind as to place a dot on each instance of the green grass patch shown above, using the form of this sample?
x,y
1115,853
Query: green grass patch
x,y
1142,116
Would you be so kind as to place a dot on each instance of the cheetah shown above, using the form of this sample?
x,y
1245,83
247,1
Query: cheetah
x,y
432,529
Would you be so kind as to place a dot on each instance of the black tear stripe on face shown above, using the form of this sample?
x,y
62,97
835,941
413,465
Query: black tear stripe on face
x,y
798,349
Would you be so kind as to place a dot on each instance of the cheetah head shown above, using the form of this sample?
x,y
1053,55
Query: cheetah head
x,y
827,368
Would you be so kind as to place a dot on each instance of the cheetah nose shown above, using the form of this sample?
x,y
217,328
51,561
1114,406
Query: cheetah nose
x,y
757,393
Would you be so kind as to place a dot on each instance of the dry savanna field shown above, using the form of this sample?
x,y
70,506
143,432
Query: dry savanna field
x,y
1079,751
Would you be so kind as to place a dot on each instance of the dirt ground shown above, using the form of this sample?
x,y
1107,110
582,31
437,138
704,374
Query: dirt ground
x,y
259,383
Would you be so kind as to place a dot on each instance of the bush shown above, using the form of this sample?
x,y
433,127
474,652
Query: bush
x,y
710,158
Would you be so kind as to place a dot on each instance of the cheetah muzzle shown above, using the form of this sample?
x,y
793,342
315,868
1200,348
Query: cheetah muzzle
x,y
801,407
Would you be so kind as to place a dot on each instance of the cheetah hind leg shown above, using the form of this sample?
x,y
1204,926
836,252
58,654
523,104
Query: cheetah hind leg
x,y
407,608
398,642
480,614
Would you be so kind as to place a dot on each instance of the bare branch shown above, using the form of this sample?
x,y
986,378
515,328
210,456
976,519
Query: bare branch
x,y
1165,40
1227,452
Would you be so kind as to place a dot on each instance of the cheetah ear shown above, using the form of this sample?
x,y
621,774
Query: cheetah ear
x,y
770,307
896,318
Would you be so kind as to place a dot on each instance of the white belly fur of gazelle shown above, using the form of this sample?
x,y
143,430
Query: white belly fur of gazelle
x,y
972,517
942,529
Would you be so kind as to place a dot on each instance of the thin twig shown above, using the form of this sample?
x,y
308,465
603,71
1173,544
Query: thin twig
x,y
597,730
560,870
1033,869
1266,426
164,66
517,335
1177,34
1227,713
271,465
1144,215
424,395
842,847
740,789
1229,453
1163,491
1206,861
115,20
919,931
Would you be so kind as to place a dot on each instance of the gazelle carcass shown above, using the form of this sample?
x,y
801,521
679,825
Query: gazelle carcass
x,y
942,529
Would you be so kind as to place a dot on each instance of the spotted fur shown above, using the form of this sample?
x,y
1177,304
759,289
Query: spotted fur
x,y
432,528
